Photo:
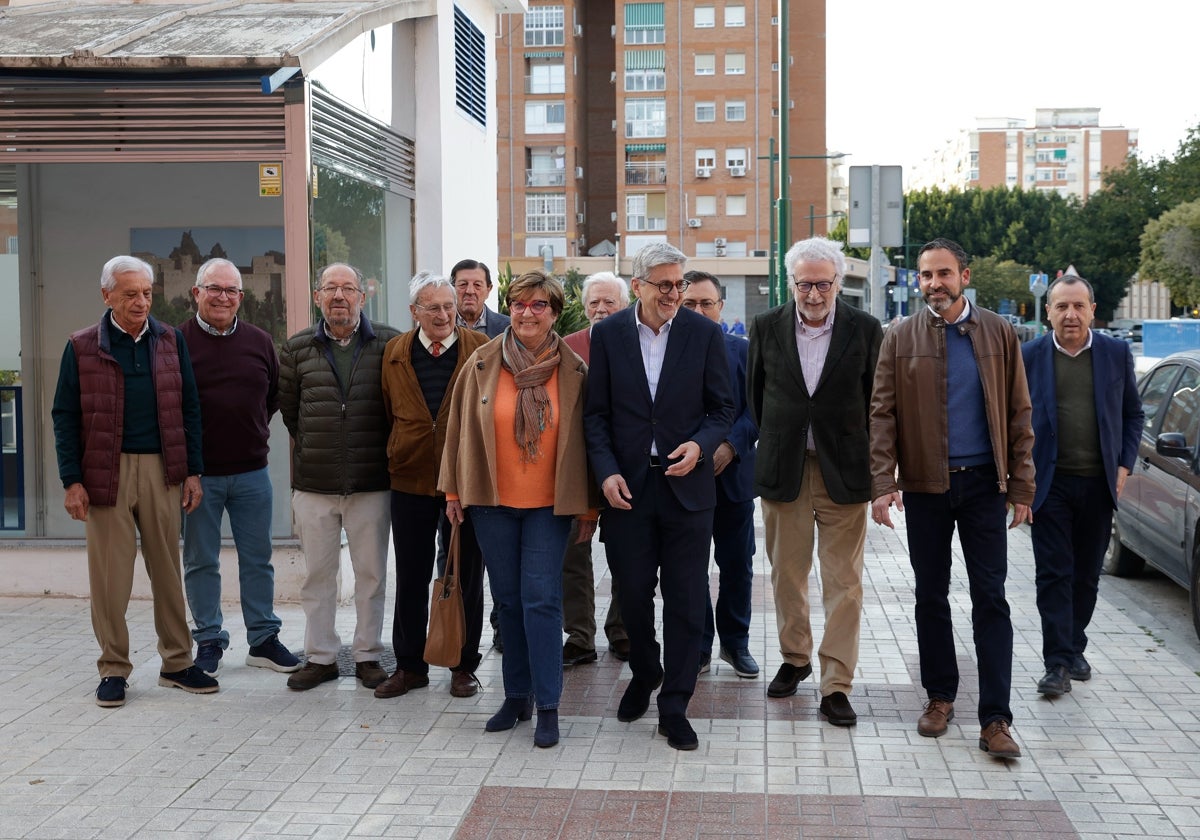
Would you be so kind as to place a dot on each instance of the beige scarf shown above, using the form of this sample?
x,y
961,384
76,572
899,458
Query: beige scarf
x,y
531,370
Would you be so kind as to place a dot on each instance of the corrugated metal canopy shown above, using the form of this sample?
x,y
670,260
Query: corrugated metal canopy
x,y
227,34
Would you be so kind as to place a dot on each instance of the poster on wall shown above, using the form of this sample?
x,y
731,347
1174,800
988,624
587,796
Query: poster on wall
x,y
176,254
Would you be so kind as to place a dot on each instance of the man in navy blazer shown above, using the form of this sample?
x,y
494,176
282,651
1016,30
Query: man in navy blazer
x,y
1087,423
658,406
733,518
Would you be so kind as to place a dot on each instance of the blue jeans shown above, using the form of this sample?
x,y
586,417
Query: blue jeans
x,y
523,552
247,497
733,549
975,505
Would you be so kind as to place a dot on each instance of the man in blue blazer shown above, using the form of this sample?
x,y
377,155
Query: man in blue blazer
x,y
733,517
658,406
1087,423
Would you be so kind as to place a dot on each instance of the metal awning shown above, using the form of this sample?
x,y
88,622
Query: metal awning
x,y
644,16
645,59
545,54
224,34
637,148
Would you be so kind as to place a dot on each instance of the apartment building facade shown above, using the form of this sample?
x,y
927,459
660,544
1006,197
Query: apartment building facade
x,y
1066,151
623,123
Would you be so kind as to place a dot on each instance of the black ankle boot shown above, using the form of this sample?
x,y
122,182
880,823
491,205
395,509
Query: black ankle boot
x,y
513,710
546,734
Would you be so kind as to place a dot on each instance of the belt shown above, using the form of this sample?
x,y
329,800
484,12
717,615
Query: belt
x,y
972,468
655,462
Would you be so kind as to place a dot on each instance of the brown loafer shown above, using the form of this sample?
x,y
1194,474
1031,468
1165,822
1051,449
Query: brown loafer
x,y
400,683
996,741
936,719
370,673
463,684
312,675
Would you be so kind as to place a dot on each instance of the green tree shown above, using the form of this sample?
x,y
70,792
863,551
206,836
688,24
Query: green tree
x,y
1170,252
995,280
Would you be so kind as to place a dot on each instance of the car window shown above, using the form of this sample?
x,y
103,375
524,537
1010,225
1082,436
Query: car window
x,y
1154,391
1183,411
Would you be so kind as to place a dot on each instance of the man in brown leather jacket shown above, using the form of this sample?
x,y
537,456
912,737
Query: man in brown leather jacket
x,y
951,410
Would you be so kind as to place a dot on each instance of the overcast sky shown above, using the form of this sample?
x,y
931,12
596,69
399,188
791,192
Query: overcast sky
x,y
904,77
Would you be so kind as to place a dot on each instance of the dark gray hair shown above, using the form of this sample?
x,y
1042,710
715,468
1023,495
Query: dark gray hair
x,y
123,265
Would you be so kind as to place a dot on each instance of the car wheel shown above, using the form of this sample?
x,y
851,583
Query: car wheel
x,y
1194,594
1119,560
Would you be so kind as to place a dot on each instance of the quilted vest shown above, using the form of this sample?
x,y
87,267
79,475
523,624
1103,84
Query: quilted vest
x,y
102,400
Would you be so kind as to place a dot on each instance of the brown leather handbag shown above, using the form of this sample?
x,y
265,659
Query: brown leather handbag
x,y
447,618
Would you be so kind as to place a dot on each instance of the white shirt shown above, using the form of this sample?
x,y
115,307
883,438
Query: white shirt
x,y
654,348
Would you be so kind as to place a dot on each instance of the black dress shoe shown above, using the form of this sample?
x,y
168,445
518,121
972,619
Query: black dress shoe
x,y
1080,669
636,699
742,662
1056,683
788,680
620,649
837,709
678,731
574,654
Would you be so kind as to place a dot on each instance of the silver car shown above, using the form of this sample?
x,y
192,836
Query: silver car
x,y
1158,516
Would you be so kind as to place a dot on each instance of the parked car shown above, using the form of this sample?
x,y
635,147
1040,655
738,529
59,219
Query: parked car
x,y
1158,517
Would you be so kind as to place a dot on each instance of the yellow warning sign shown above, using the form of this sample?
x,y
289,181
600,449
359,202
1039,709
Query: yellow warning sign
x,y
270,180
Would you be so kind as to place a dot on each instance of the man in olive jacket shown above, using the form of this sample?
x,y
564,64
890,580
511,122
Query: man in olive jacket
x,y
331,401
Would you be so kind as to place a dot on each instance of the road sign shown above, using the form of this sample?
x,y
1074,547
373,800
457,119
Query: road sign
x,y
1038,284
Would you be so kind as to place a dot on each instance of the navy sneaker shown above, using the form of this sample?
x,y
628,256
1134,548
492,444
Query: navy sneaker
x,y
208,657
741,660
272,654
111,692
192,680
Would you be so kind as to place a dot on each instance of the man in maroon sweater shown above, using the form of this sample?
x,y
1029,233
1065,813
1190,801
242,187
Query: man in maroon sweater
x,y
237,373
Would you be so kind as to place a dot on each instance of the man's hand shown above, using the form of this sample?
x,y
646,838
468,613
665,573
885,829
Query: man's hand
x,y
76,502
454,511
1122,474
587,527
192,493
722,457
688,454
616,491
881,509
1021,513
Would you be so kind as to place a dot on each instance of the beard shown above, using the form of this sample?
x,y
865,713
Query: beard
x,y
940,306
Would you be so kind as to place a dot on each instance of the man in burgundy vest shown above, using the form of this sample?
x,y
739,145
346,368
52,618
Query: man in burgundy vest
x,y
127,434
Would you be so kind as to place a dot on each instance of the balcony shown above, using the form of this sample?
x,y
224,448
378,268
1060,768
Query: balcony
x,y
541,84
646,173
545,177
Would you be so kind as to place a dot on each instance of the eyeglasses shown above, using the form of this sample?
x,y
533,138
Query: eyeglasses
x,y
347,291
445,308
537,307
666,287
821,286
706,305
230,292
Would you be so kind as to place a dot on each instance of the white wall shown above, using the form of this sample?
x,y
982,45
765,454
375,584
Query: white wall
x,y
82,216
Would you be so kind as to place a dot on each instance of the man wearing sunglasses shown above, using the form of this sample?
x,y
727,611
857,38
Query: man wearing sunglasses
x,y
652,429
812,362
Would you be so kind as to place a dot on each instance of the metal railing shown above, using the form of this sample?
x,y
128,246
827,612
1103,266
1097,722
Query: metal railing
x,y
545,177
645,173
12,460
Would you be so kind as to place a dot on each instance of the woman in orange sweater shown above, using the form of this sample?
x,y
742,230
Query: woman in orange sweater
x,y
515,456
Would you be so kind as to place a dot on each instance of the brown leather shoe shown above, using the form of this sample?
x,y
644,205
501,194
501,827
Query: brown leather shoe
x,y
370,673
312,675
996,741
401,683
936,719
463,684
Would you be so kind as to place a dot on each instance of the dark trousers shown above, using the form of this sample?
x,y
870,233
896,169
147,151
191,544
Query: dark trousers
x,y
579,596
1070,535
661,542
733,549
416,520
975,505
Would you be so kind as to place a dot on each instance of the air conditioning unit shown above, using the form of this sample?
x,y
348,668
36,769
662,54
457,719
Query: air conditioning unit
x,y
578,218
694,223
703,171
612,77
612,31
737,171
578,172
759,253
719,242
614,122
720,250
579,30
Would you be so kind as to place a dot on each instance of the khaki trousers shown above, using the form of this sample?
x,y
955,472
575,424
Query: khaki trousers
x,y
144,503
840,532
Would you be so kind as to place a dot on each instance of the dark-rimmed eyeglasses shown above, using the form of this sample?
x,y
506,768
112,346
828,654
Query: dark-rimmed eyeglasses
x,y
214,291
821,286
666,287
537,307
